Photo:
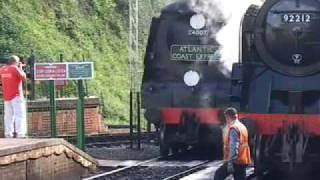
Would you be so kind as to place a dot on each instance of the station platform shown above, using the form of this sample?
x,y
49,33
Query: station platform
x,y
38,159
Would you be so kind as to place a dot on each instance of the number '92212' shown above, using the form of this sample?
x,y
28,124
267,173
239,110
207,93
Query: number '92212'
x,y
296,18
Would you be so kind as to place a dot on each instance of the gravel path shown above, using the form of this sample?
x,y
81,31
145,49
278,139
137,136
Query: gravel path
x,y
150,173
124,152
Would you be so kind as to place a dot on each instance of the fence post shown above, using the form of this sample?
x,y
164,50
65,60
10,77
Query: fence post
x,y
33,84
86,93
138,119
80,116
61,90
53,108
131,119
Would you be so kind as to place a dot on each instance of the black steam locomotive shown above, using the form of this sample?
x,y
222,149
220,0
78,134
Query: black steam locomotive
x,y
183,80
274,84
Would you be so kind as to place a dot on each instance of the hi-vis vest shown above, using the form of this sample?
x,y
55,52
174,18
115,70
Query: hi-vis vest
x,y
244,157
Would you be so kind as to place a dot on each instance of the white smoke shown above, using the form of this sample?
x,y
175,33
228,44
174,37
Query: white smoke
x,y
228,36
230,11
210,8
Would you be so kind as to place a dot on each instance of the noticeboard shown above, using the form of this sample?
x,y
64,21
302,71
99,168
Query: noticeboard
x,y
80,70
63,71
50,71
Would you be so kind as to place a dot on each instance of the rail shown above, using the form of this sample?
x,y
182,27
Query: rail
x,y
188,172
116,171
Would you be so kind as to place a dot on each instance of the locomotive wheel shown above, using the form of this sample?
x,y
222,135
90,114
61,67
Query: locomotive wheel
x,y
252,130
255,145
175,149
164,150
257,156
164,147
184,147
251,127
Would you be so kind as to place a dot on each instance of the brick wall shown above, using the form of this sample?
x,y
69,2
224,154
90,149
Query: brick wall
x,y
43,159
14,171
54,167
39,117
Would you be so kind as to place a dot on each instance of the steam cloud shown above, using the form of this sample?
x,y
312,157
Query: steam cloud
x,y
230,11
228,36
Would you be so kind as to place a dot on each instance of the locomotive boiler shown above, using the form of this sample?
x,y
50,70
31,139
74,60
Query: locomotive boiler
x,y
276,84
184,84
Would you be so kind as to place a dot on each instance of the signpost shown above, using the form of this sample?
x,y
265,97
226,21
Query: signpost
x,y
66,71
53,109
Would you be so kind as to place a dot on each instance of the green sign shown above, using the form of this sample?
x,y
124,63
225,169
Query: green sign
x,y
194,53
80,70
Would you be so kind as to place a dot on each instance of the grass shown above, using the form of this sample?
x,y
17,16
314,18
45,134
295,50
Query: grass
x,y
95,30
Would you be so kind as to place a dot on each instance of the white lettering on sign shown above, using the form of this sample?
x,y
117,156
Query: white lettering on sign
x,y
182,56
296,18
196,48
194,52
209,57
198,32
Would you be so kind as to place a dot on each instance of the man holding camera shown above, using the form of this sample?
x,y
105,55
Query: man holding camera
x,y
12,76
236,149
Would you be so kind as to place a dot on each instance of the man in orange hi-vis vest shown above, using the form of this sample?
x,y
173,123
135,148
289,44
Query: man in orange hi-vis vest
x,y
236,151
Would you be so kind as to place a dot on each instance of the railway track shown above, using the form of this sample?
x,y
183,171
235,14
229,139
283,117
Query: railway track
x,y
187,172
174,167
153,169
118,172
118,165
157,168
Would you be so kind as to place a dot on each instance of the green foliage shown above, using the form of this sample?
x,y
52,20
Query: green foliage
x,y
94,29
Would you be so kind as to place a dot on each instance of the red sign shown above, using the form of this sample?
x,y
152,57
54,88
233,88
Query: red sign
x,y
50,71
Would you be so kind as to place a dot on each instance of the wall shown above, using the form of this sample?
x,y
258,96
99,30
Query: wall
x,y
39,117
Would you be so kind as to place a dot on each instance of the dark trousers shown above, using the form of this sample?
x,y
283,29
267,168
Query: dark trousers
x,y
239,172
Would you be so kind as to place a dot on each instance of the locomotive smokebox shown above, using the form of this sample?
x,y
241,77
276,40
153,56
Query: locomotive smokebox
x,y
287,36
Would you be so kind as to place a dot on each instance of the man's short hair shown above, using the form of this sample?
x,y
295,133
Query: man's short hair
x,y
13,59
231,112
